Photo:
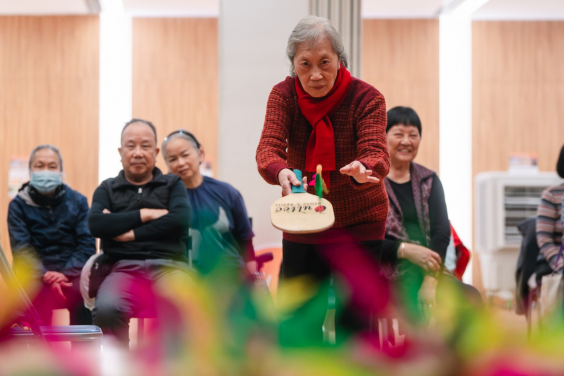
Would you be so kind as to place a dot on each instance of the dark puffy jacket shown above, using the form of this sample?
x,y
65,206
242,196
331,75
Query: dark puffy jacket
x,y
57,234
529,262
163,238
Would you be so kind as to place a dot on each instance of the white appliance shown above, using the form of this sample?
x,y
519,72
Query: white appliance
x,y
503,199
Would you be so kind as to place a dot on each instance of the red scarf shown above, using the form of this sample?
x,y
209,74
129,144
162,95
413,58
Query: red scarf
x,y
321,144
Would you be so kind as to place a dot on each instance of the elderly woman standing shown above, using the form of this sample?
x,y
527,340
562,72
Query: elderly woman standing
x,y
322,115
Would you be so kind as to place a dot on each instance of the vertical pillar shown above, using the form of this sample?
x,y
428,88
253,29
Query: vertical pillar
x,y
115,84
455,117
345,15
252,59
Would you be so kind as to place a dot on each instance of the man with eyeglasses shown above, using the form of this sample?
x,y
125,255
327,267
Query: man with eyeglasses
x,y
142,217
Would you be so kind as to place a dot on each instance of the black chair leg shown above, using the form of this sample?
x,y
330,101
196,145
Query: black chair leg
x,y
80,316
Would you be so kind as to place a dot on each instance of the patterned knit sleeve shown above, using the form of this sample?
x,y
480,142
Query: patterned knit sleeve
x,y
272,153
561,262
547,218
372,146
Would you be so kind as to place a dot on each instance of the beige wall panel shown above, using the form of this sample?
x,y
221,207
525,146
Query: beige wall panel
x,y
49,73
401,59
518,92
175,77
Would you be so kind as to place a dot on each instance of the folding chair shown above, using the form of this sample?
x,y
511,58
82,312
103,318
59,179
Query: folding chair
x,y
73,333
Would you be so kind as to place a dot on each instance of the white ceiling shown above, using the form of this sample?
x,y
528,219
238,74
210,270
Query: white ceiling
x,y
521,10
39,7
177,8
370,8
400,8
494,9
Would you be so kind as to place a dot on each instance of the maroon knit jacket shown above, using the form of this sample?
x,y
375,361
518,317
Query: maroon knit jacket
x,y
360,134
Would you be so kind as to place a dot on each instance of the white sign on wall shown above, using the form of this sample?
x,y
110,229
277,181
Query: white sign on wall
x,y
17,175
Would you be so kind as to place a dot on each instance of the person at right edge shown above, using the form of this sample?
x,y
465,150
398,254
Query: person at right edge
x,y
549,226
323,115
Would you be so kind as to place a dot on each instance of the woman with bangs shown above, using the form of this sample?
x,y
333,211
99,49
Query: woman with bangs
x,y
417,228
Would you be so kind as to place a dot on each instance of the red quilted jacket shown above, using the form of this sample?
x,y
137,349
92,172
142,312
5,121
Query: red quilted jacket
x,y
360,134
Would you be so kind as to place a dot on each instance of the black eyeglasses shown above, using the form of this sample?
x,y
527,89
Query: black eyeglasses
x,y
186,133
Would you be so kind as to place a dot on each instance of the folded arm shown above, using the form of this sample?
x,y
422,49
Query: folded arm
x,y
175,223
109,225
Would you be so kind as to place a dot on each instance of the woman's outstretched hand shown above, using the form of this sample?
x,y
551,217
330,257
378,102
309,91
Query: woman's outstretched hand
x,y
359,173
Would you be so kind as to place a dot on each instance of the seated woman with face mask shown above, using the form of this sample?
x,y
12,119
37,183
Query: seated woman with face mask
x,y
49,237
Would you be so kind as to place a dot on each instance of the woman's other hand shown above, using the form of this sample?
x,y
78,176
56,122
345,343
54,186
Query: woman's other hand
x,y
359,173
57,290
54,277
422,256
287,179
428,293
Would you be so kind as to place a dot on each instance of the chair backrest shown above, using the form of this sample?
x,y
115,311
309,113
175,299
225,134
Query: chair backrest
x,y
30,314
271,269
462,255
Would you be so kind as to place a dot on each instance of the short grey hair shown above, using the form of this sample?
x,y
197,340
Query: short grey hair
x,y
46,146
311,30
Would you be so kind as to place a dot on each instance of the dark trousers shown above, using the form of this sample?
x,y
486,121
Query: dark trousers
x,y
361,291
45,302
128,291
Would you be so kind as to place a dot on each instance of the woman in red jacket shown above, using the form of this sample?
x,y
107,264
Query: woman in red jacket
x,y
323,115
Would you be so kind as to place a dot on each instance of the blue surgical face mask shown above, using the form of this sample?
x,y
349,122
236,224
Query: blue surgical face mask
x,y
45,181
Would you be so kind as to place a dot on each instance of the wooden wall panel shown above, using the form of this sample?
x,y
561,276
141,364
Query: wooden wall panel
x,y
401,59
518,93
49,74
175,77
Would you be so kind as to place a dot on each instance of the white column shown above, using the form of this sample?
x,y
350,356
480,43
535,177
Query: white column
x,y
455,117
115,84
345,16
252,59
